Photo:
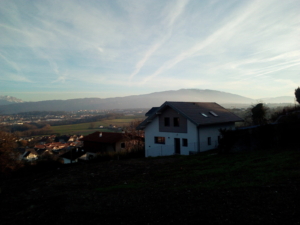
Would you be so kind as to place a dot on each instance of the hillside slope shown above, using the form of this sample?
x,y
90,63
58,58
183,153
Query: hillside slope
x,y
244,188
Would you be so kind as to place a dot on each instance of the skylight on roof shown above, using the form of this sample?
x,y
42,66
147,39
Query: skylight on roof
x,y
213,113
203,114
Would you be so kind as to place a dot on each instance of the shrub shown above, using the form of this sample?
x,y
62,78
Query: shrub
x,y
9,159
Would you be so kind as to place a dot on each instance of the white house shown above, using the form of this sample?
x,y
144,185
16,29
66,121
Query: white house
x,y
185,127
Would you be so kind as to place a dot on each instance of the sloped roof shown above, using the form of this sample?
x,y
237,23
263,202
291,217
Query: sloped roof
x,y
73,154
106,137
199,113
151,111
28,152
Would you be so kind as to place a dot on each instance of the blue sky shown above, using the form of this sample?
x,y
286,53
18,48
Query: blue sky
x,y
76,49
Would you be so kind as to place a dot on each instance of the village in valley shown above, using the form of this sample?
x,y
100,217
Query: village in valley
x,y
174,128
33,140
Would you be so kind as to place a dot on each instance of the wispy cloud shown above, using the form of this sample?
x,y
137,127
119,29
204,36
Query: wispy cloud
x,y
15,78
225,31
172,15
131,46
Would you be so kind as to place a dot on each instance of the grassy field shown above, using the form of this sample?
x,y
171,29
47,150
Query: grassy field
x,y
84,128
210,170
251,169
259,187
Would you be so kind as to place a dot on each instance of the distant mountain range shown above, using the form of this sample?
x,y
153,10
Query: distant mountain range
x,y
136,101
6,100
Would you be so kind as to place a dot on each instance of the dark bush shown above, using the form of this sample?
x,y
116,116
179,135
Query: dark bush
x,y
279,136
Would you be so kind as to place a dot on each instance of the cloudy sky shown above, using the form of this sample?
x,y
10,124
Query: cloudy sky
x,y
75,49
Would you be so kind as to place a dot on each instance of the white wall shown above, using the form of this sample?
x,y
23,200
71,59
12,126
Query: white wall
x,y
154,149
211,131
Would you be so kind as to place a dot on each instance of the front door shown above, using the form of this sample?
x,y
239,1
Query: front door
x,y
177,145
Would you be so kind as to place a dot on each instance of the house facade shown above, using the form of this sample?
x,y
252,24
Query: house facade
x,y
100,142
185,127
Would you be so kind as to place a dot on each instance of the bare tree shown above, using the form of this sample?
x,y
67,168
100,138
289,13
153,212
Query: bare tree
x,y
8,157
133,136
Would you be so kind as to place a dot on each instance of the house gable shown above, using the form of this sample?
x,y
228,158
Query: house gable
x,y
171,121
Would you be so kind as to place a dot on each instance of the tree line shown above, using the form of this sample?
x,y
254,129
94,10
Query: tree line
x,y
279,131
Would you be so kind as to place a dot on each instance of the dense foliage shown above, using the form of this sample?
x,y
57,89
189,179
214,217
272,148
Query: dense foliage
x,y
8,157
297,94
259,113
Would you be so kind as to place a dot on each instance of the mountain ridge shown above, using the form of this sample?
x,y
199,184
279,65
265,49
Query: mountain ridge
x,y
136,101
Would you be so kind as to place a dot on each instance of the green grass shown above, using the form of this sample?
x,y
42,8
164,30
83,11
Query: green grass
x,y
220,171
242,169
83,128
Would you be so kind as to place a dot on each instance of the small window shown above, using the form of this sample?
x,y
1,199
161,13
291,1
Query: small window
x,y
203,114
184,142
176,121
167,121
209,140
122,145
159,140
213,113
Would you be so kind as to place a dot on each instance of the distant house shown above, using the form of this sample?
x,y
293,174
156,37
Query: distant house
x,y
39,147
43,140
57,146
62,139
72,156
185,127
74,138
30,155
99,142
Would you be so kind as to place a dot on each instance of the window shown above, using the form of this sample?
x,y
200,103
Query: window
x,y
213,113
167,121
176,121
209,140
184,142
159,140
203,114
122,145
